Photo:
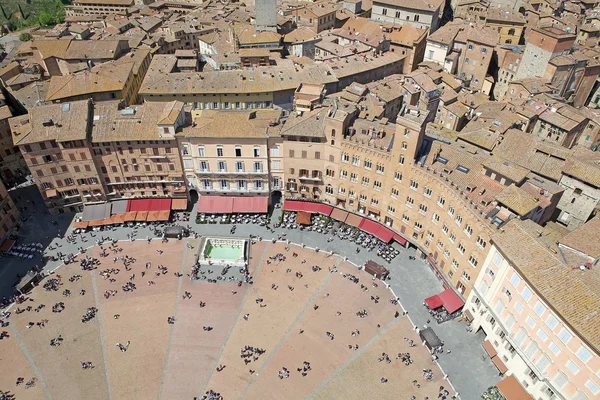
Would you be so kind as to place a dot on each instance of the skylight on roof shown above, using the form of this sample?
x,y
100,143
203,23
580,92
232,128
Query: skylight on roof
x,y
66,107
462,168
441,159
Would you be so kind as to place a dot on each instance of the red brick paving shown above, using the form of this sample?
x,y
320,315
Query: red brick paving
x,y
61,366
137,373
180,360
325,355
13,365
267,326
361,379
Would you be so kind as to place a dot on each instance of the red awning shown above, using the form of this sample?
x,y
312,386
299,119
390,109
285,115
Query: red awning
x,y
369,226
215,204
257,204
451,300
159,205
434,302
399,239
308,206
354,220
139,205
385,234
376,229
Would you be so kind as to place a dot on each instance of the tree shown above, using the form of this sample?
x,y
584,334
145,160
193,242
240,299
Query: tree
x,y
25,37
46,19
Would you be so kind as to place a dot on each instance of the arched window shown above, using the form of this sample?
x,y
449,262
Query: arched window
x,y
333,133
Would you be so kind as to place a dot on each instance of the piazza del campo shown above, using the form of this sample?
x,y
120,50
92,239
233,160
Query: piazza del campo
x,y
295,199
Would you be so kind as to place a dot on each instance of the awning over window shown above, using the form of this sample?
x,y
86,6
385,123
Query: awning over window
x,y
499,364
80,225
130,216
215,204
96,212
376,229
255,204
159,205
399,239
366,225
511,389
487,345
119,206
308,206
51,193
164,215
96,222
451,300
354,219
141,216
153,216
339,215
179,204
138,205
149,205
117,218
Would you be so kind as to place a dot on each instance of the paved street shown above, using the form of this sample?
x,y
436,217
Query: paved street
x,y
468,367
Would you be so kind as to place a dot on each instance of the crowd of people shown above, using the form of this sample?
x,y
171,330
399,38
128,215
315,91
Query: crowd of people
x,y
248,354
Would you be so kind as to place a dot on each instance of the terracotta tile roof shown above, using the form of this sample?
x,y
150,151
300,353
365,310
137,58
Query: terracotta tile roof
x,y
235,124
60,122
140,122
31,95
421,5
122,3
477,34
8,68
160,80
518,200
5,113
574,294
481,137
527,151
453,159
107,77
584,171
68,49
310,124
300,35
505,168
408,35
494,14
247,35
445,34
585,239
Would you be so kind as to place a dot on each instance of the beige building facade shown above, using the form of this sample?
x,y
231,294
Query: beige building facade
x,y
81,152
232,152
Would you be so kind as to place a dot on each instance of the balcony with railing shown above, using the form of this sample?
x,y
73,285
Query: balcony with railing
x,y
312,176
225,172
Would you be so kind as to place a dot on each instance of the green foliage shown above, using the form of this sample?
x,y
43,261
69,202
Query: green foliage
x,y
46,19
25,37
19,14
